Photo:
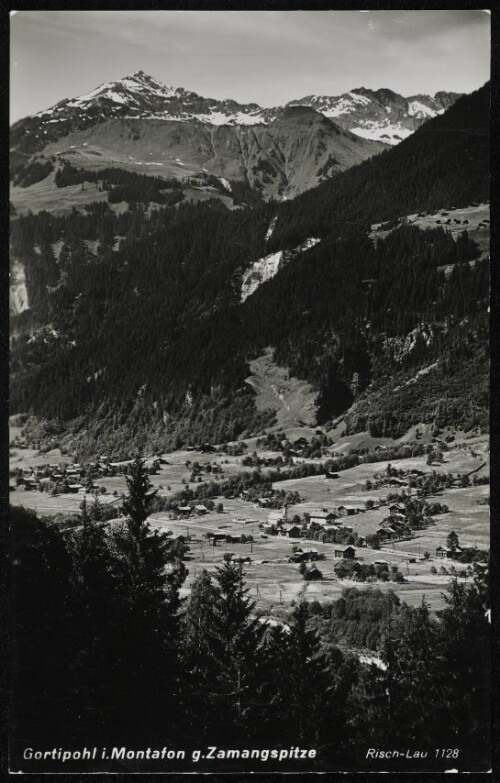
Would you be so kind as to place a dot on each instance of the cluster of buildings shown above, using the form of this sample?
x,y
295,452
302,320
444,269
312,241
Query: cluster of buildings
x,y
302,554
74,478
278,524
46,477
187,511
395,525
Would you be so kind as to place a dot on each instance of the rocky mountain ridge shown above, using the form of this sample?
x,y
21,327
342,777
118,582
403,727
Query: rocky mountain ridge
x,y
298,149
380,115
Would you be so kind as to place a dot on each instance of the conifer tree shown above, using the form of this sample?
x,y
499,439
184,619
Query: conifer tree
x,y
137,505
223,647
309,688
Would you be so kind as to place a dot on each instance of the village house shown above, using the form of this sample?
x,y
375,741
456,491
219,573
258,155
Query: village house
x,y
346,568
386,532
214,537
447,553
301,555
235,538
322,517
345,552
201,509
74,488
397,509
313,573
346,511
290,531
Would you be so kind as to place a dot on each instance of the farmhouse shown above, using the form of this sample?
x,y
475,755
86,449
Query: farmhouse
x,y
386,532
445,552
396,509
214,537
236,538
245,521
290,531
346,511
322,517
75,487
346,552
201,509
344,569
301,555
313,573
185,510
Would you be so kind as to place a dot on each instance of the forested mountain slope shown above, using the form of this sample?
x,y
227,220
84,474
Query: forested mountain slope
x,y
445,163
136,335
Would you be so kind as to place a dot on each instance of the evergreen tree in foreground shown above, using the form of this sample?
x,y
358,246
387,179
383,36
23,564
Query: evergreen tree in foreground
x,y
222,639
137,506
149,677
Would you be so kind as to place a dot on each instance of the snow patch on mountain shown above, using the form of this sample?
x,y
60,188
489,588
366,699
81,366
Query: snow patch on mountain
x,y
266,268
18,293
390,134
417,109
219,118
272,226
360,98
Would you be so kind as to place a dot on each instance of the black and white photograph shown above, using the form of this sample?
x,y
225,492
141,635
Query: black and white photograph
x,y
249,391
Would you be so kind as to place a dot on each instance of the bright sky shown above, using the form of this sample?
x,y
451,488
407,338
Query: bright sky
x,y
267,57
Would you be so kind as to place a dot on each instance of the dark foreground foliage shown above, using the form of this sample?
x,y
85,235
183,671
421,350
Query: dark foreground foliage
x,y
105,653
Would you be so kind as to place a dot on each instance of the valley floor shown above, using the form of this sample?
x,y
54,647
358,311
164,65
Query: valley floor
x,y
273,581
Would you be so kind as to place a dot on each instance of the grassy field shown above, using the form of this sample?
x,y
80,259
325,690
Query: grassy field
x,y
478,218
293,400
273,581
